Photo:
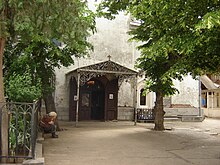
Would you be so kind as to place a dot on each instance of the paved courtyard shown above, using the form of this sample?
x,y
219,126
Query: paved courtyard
x,y
122,143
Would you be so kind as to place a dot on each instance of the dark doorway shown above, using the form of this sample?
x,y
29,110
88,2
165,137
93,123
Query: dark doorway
x,y
92,105
97,108
98,99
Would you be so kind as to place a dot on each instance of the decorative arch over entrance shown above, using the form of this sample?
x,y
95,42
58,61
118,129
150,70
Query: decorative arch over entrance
x,y
97,84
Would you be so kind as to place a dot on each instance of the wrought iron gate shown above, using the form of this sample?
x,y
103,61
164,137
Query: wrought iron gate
x,y
22,130
145,114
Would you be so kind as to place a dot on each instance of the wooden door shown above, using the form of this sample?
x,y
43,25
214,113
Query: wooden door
x,y
105,102
72,102
85,105
92,101
111,97
97,108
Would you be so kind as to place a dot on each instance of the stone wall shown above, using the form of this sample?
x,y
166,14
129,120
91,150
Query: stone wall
x,y
63,114
181,111
126,113
209,112
188,92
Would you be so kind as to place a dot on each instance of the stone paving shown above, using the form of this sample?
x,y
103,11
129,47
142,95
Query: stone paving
x,y
122,143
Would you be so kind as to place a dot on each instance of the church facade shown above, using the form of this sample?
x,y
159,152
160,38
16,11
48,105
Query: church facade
x,y
105,85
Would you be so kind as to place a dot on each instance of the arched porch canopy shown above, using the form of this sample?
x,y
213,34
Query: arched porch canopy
x,y
84,74
100,69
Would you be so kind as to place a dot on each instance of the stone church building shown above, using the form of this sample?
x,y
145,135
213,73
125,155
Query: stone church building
x,y
103,85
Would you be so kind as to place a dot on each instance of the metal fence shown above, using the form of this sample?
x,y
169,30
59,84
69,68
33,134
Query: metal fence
x,y
22,119
145,114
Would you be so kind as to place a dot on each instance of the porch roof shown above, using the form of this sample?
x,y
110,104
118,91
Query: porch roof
x,y
208,83
103,68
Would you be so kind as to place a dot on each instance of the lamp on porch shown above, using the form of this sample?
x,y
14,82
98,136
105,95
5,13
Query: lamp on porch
x,y
90,82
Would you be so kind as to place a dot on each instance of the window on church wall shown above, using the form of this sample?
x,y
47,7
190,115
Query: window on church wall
x,y
142,97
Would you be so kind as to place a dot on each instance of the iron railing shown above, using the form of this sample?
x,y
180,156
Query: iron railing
x,y
145,114
22,129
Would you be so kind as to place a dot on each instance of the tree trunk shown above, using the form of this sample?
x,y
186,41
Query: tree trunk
x,y
2,46
159,113
49,103
3,112
50,106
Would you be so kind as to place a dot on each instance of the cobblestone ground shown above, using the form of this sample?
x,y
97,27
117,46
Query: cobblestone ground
x,y
122,143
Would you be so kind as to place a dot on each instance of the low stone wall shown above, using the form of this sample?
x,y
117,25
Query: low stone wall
x,y
181,111
39,159
126,113
214,112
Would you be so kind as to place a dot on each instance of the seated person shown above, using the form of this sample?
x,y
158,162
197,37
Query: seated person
x,y
47,124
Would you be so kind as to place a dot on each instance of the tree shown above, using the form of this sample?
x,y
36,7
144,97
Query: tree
x,y
176,40
69,21
38,58
159,80
21,88
25,20
205,57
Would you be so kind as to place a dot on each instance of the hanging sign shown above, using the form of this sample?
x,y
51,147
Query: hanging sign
x,y
75,98
110,96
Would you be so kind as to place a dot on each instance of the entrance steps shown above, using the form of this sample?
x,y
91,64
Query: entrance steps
x,y
186,118
171,118
189,118
192,118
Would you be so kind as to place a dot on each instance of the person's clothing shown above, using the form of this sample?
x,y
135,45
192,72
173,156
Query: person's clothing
x,y
47,126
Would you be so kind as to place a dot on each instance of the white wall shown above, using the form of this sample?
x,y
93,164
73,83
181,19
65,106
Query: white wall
x,y
212,112
125,95
111,39
188,92
150,96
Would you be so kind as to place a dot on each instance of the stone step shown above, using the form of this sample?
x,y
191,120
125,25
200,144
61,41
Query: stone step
x,y
37,161
39,149
172,118
192,118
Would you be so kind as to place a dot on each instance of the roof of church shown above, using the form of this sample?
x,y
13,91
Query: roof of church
x,y
106,67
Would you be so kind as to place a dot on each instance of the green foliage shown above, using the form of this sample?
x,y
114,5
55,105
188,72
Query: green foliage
x,y
19,130
39,58
44,35
21,88
68,21
178,37
31,26
158,79
210,20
